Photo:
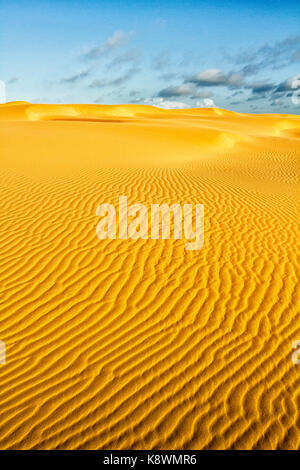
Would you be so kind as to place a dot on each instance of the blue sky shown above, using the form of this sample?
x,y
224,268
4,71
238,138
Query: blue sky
x,y
243,56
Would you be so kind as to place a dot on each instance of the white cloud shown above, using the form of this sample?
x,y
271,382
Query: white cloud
x,y
206,103
166,104
291,83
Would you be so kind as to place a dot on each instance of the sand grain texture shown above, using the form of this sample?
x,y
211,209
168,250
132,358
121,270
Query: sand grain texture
x,y
123,344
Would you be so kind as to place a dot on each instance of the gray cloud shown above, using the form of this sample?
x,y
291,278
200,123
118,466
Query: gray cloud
x,y
161,61
76,77
296,56
186,89
236,93
291,84
276,102
257,97
134,93
250,69
12,80
275,56
181,90
115,81
129,57
261,87
118,39
215,77
168,76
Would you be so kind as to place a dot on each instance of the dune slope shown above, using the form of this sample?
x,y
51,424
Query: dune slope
x,y
140,344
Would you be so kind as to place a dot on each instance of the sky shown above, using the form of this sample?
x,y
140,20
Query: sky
x,y
237,55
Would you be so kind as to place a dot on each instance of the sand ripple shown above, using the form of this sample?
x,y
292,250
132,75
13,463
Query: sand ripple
x,y
141,344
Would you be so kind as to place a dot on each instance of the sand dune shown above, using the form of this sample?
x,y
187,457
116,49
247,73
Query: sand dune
x,y
140,344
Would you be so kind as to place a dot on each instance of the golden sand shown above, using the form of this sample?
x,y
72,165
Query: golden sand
x,y
140,344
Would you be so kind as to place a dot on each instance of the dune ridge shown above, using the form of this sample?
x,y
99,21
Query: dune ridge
x,y
123,344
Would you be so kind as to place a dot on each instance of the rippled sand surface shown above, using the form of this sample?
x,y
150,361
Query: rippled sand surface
x,y
141,344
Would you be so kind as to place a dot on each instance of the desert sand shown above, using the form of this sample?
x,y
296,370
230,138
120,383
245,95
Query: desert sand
x,y
140,344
